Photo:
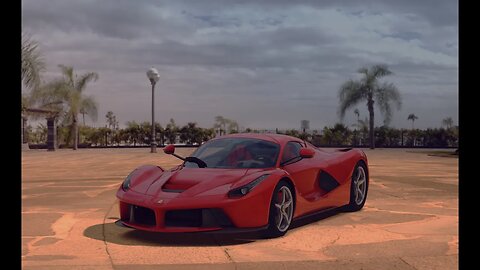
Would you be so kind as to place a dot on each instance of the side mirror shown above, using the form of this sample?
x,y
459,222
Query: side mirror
x,y
169,149
307,153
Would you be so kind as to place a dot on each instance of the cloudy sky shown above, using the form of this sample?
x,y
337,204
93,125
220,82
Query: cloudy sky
x,y
267,64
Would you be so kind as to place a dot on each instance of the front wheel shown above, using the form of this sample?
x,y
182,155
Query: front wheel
x,y
281,210
358,188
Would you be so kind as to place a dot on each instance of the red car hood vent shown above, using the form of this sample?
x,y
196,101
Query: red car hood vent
x,y
178,187
195,180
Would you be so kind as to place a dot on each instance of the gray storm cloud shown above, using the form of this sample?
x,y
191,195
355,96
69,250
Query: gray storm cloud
x,y
266,64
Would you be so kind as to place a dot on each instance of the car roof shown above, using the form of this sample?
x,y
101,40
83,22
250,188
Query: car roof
x,y
272,137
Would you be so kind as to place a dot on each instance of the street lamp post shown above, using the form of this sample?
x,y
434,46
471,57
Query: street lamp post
x,y
153,76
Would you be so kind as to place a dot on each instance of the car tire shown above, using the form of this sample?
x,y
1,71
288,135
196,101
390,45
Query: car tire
x,y
282,207
358,188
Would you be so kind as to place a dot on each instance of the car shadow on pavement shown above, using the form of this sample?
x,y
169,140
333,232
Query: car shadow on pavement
x,y
314,218
112,233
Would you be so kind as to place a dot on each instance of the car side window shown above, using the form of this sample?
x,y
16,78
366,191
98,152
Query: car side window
x,y
291,151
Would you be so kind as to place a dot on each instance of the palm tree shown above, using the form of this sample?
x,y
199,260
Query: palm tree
x,y
89,107
70,90
220,123
232,126
171,131
412,117
369,89
32,66
448,122
133,132
110,120
32,62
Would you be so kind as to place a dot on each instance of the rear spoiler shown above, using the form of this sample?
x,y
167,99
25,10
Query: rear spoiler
x,y
345,149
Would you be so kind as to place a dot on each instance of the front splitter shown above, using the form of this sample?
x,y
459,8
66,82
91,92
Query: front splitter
x,y
224,230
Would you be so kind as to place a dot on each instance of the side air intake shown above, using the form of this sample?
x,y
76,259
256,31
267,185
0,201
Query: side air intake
x,y
327,182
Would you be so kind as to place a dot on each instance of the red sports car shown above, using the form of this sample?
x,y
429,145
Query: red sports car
x,y
244,182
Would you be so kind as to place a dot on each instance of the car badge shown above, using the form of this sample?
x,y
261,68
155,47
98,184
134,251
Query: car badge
x,y
160,201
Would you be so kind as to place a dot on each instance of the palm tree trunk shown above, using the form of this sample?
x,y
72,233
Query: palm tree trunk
x,y
75,132
370,111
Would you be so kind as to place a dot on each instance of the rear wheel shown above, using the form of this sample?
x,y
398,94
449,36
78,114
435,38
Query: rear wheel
x,y
358,188
281,210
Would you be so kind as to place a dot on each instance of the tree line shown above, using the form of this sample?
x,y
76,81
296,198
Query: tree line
x,y
340,135
138,134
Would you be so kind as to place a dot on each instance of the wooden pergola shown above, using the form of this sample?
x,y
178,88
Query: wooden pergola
x,y
50,115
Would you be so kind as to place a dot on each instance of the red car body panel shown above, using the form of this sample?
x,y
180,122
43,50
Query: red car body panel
x,y
156,189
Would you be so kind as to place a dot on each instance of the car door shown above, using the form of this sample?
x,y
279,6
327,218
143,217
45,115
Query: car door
x,y
304,173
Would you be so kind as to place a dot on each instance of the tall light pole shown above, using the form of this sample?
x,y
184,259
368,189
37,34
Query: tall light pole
x,y
153,76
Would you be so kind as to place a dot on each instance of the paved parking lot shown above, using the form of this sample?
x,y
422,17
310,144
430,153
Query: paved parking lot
x,y
410,220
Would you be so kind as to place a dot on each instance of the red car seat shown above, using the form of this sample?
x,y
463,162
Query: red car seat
x,y
238,154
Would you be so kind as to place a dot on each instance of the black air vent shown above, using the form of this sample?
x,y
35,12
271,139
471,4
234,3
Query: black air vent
x,y
327,182
173,190
197,218
141,215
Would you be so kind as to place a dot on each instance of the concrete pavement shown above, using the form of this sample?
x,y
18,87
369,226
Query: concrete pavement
x,y
410,220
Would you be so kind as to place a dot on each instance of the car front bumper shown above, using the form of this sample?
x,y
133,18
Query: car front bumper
x,y
166,213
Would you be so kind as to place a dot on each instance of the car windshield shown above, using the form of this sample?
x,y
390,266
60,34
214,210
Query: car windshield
x,y
229,153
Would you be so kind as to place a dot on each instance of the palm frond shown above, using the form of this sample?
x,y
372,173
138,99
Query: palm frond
x,y
32,62
386,94
363,70
55,90
67,72
90,107
351,93
81,82
412,117
26,101
379,71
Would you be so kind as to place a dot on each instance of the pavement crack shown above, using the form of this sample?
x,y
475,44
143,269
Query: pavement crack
x,y
388,194
105,238
335,240
225,250
230,259
407,263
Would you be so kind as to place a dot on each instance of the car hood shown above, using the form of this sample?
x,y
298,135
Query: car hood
x,y
188,182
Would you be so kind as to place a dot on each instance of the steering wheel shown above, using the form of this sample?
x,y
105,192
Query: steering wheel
x,y
199,162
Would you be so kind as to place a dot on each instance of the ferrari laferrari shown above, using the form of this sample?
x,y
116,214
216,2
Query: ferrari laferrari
x,y
244,182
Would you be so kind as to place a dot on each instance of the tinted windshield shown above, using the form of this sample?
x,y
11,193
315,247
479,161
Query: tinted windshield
x,y
237,153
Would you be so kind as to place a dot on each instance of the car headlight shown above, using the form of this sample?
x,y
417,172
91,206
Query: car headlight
x,y
126,182
245,189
